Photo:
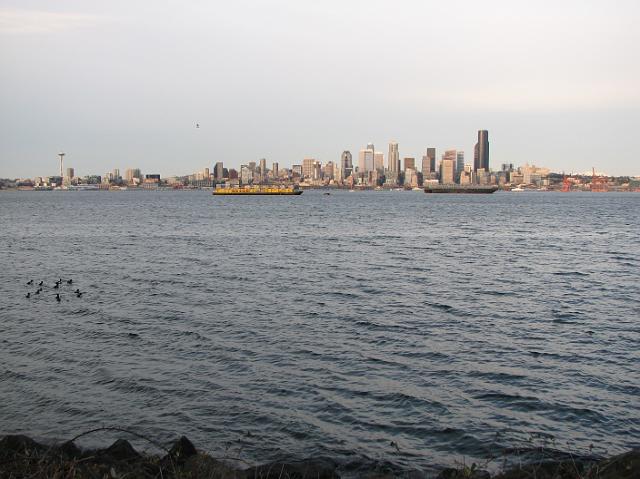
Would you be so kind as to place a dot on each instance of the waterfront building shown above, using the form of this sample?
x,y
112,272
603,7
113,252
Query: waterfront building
x,y
409,163
132,175
274,169
115,175
296,171
447,171
232,174
394,157
481,151
252,166
70,173
411,177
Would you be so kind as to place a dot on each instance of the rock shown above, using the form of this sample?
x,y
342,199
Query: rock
x,y
316,469
12,445
465,473
121,450
182,450
70,450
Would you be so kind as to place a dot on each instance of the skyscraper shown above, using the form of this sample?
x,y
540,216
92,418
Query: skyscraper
x,y
218,171
365,160
481,152
346,165
263,169
409,163
275,169
459,164
378,161
307,167
447,168
394,157
431,154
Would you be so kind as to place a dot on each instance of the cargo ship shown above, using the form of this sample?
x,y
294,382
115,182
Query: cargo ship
x,y
474,189
257,190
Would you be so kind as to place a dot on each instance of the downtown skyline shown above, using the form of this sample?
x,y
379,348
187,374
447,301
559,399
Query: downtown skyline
x,y
119,83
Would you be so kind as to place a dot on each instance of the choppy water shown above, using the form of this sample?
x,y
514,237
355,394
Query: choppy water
x,y
265,327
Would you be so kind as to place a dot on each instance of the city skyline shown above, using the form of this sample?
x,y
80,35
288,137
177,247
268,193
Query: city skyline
x,y
116,82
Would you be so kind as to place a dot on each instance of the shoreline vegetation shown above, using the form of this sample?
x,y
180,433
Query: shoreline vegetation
x,y
23,457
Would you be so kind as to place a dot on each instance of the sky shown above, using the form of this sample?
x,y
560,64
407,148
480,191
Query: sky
x,y
122,84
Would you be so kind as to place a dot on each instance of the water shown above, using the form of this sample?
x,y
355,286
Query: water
x,y
377,327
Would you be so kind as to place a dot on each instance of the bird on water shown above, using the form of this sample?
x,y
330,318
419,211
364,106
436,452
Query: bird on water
x,y
79,294
29,283
77,291
40,283
38,291
28,295
58,297
69,281
56,286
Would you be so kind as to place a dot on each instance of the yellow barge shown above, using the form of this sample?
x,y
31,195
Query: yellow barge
x,y
258,190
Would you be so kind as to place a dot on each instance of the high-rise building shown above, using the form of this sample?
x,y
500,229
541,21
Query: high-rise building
x,y
481,152
307,167
447,171
218,171
426,167
274,169
246,174
206,173
365,160
263,169
409,163
329,170
116,174
70,173
346,164
431,154
378,161
131,174
394,157
459,164
296,171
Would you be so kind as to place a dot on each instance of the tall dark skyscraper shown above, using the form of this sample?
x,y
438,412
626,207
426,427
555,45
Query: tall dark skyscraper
x,y
431,153
481,152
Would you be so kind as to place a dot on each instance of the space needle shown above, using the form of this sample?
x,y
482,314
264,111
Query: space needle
x,y
61,155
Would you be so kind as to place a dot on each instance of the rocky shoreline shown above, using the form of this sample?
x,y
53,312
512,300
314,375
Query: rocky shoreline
x,y
22,457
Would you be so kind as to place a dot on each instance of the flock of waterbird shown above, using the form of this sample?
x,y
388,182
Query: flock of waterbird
x,y
57,286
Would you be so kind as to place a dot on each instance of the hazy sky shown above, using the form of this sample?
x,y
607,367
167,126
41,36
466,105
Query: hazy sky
x,y
123,83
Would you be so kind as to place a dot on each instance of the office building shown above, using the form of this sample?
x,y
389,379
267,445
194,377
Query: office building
x,y
263,169
447,171
394,157
481,152
431,154
218,171
365,160
409,163
307,167
346,165
275,170
378,161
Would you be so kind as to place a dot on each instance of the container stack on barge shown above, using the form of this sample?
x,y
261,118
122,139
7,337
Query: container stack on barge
x,y
474,189
257,190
